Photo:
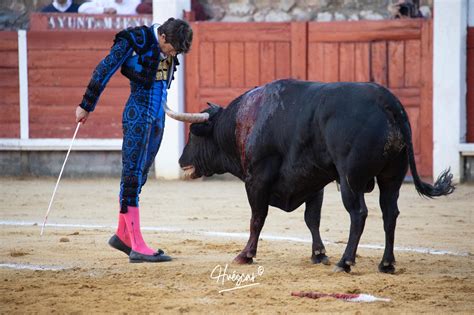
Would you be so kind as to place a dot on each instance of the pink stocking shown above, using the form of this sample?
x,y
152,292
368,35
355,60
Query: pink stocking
x,y
132,220
122,231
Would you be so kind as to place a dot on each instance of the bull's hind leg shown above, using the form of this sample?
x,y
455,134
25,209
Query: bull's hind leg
x,y
389,192
312,217
354,203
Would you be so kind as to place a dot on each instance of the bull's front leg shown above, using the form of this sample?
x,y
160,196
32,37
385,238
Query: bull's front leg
x,y
258,199
312,217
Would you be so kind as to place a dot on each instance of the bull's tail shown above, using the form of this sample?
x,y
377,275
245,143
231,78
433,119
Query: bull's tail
x,y
443,185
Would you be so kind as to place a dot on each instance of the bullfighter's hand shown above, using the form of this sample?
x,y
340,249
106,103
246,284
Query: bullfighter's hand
x,y
81,115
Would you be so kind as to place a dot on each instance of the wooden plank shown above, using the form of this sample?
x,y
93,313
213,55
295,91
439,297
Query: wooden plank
x,y
396,64
299,45
244,32
10,130
362,62
72,96
252,64
58,121
470,37
77,40
364,31
54,112
409,97
10,95
379,63
425,168
212,92
347,62
88,59
9,59
192,72
267,62
9,117
8,41
220,100
236,63
221,68
220,96
412,62
407,92
282,60
315,62
10,114
75,77
91,130
331,62
206,64
9,77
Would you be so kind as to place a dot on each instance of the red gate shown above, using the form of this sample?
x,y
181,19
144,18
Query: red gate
x,y
60,65
396,54
9,86
227,59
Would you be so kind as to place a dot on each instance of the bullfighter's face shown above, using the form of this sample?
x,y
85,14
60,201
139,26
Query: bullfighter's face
x,y
166,47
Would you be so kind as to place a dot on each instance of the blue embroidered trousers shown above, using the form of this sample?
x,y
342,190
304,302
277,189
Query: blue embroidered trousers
x,y
143,123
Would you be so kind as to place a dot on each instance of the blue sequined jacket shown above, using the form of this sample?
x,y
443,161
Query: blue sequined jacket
x,y
137,51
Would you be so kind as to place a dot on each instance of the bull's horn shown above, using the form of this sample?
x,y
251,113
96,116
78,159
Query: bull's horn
x,y
186,117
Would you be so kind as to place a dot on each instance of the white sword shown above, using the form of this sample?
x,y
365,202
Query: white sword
x,y
59,178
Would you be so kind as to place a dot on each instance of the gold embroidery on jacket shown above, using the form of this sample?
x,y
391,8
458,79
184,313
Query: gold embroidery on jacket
x,y
163,68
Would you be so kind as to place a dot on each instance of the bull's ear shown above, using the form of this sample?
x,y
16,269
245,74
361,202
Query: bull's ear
x,y
213,106
202,129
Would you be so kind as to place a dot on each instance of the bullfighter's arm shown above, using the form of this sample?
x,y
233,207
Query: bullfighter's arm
x,y
120,51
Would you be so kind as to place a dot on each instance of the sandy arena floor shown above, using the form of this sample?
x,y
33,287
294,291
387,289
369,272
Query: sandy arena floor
x,y
204,224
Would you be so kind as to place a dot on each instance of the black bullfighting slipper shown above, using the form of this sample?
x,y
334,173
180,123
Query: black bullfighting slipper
x,y
117,243
159,256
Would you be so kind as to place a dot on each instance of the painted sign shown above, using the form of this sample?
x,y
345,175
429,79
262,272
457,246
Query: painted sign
x,y
81,22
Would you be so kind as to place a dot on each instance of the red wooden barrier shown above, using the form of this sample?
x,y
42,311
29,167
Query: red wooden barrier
x,y
9,86
470,84
60,65
63,50
229,58
396,54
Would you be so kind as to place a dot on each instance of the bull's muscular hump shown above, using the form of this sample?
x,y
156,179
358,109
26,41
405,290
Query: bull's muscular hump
x,y
288,139
246,117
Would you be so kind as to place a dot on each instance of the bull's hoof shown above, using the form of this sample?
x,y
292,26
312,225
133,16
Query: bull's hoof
x,y
342,266
387,267
243,260
321,258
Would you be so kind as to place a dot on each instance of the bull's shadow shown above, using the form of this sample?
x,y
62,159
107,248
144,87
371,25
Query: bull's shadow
x,y
288,139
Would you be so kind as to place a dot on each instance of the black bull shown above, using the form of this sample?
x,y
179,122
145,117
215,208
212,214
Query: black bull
x,y
288,139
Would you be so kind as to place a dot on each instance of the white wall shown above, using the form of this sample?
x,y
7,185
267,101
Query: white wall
x,y
449,84
166,162
470,20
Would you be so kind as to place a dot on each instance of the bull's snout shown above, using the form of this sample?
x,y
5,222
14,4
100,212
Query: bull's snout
x,y
189,172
